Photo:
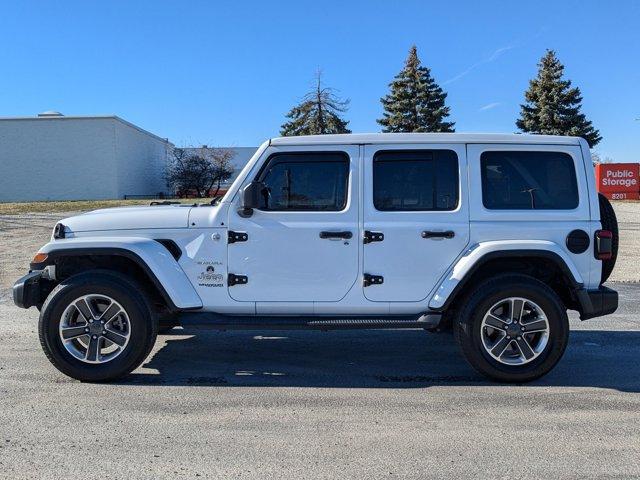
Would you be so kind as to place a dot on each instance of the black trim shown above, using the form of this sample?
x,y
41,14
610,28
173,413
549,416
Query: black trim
x,y
233,237
333,235
217,321
596,303
578,241
110,251
368,280
430,234
370,237
172,246
26,290
554,257
233,279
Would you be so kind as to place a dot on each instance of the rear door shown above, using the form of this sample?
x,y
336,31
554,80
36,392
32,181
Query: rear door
x,y
416,218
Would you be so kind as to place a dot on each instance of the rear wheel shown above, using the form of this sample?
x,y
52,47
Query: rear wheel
x,y
512,328
97,326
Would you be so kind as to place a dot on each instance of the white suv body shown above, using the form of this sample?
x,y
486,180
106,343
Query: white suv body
x,y
394,227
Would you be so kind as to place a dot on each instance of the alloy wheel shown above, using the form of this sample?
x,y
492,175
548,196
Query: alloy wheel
x,y
515,331
95,328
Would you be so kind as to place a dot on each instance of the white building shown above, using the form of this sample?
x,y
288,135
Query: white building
x,y
57,157
241,157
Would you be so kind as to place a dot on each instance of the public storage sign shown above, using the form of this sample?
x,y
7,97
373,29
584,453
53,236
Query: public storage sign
x,y
619,181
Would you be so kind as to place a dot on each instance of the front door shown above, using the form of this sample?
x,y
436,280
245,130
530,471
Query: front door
x,y
302,243
416,218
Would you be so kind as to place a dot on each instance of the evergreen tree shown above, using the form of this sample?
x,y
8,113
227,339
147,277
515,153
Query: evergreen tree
x,y
416,103
552,107
317,114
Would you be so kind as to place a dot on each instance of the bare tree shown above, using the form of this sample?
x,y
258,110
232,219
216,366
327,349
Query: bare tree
x,y
195,171
221,159
318,113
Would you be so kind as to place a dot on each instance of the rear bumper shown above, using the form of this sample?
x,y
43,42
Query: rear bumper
x,y
26,291
598,302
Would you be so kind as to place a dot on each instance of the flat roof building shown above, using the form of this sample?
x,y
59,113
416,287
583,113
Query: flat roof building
x,y
57,157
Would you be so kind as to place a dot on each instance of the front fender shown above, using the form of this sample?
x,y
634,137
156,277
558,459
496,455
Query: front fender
x,y
149,254
480,252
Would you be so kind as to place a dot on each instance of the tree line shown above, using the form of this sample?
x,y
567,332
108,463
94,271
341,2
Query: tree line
x,y
416,103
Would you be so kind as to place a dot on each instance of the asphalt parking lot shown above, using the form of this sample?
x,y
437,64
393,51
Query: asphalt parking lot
x,y
359,404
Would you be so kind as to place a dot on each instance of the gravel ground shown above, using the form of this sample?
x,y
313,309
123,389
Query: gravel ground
x,y
361,404
20,238
626,269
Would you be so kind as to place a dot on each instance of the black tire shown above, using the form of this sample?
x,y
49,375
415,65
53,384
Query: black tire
x,y
143,327
467,327
609,222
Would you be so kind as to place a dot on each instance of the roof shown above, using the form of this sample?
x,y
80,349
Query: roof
x,y
61,118
363,138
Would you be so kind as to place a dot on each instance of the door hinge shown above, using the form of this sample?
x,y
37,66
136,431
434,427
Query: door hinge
x,y
373,236
233,279
372,280
233,237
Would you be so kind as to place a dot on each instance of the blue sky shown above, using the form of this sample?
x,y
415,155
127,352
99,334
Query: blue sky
x,y
225,73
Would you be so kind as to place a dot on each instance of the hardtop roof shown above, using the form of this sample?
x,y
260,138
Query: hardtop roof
x,y
379,138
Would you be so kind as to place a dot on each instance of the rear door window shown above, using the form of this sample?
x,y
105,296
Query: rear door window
x,y
415,180
519,180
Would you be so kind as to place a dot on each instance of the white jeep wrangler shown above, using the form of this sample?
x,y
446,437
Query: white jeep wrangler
x,y
494,235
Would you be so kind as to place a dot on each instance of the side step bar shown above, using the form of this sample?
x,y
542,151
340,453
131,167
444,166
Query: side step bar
x,y
216,321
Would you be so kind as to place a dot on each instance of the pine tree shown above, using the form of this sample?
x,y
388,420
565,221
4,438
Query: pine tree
x,y
552,107
318,113
416,103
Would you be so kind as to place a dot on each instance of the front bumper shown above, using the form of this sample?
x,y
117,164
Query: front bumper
x,y
27,291
598,302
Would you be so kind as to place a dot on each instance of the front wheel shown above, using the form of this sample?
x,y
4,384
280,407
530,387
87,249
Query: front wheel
x,y
512,328
97,326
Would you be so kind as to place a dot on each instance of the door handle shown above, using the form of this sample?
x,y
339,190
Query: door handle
x,y
447,234
335,235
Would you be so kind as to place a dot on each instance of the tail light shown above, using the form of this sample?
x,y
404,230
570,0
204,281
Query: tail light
x,y
603,244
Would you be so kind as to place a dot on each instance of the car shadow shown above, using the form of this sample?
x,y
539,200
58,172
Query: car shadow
x,y
368,359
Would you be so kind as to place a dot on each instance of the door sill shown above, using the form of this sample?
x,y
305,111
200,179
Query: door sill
x,y
216,321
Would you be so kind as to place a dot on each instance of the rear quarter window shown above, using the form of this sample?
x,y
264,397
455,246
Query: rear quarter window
x,y
520,180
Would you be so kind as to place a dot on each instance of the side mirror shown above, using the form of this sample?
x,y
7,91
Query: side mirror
x,y
251,198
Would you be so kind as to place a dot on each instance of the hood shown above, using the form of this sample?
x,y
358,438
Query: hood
x,y
130,218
